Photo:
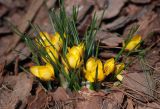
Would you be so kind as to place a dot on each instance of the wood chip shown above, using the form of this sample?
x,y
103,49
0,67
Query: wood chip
x,y
113,9
3,10
11,96
141,1
138,82
23,24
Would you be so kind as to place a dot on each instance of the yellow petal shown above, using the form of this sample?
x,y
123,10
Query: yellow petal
x,y
100,75
119,77
109,66
89,77
73,60
133,43
77,50
45,73
91,64
94,66
35,70
99,63
81,48
57,41
44,35
74,50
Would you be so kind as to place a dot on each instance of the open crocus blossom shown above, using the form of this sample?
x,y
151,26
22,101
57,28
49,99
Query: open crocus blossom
x,y
45,72
118,70
109,66
133,43
94,66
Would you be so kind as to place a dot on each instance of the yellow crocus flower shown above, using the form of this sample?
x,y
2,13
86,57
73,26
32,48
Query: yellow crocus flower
x,y
45,72
133,43
91,63
57,41
118,71
74,60
94,65
74,56
77,50
109,66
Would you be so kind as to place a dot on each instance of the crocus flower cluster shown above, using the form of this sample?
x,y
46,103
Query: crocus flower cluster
x,y
93,70
53,44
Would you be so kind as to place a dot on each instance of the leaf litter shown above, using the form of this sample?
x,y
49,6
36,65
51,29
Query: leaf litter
x,y
120,16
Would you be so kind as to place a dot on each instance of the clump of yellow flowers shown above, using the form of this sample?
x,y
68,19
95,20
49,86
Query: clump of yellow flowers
x,y
53,45
94,70
94,66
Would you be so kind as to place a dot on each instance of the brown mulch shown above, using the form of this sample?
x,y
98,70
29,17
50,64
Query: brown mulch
x,y
139,90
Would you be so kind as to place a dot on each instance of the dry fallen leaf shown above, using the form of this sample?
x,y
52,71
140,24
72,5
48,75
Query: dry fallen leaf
x,y
60,94
3,10
137,82
141,1
15,90
130,104
38,101
152,105
113,9
92,102
113,100
112,41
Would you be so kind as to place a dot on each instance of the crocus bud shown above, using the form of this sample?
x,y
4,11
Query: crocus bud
x,y
74,56
57,41
45,72
118,70
133,43
79,49
109,66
